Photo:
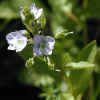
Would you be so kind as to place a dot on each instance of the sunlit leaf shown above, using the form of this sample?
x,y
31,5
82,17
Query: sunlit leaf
x,y
80,65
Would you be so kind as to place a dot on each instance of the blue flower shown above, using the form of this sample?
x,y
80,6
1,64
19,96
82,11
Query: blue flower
x,y
16,40
43,45
35,11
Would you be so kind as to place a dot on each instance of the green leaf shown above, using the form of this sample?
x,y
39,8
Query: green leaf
x,y
11,8
66,58
79,75
66,96
62,33
29,20
97,62
80,65
88,53
79,80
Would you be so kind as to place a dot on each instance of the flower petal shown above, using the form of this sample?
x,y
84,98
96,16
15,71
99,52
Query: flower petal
x,y
22,15
47,42
16,40
35,11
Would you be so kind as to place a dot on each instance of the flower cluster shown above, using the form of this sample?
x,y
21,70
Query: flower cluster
x,y
34,11
43,45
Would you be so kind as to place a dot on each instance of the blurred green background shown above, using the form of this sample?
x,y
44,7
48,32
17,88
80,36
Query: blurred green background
x,y
79,16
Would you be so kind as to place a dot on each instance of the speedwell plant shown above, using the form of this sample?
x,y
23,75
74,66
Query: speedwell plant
x,y
53,62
